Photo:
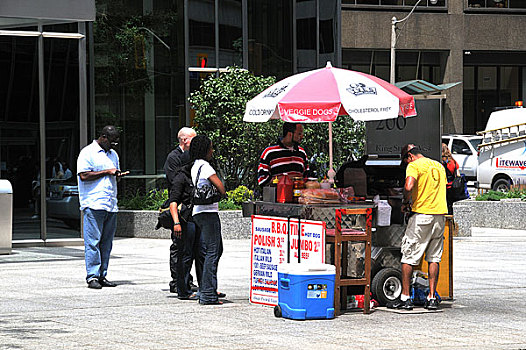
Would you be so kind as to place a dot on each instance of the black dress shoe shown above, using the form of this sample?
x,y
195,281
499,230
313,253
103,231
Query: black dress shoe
x,y
94,284
399,304
105,283
217,302
221,295
194,287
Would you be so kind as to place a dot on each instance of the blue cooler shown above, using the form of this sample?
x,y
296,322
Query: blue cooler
x,y
305,291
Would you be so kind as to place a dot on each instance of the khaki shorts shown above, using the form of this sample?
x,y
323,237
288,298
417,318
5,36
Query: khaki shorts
x,y
424,234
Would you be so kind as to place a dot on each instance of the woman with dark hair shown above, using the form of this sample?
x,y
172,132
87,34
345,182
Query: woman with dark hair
x,y
452,170
206,218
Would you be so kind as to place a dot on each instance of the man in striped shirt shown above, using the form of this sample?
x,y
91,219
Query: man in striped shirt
x,y
285,157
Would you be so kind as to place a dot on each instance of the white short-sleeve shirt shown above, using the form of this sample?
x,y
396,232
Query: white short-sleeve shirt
x,y
206,172
99,194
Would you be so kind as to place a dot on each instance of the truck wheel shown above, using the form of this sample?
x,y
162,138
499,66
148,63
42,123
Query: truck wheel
x,y
387,285
502,185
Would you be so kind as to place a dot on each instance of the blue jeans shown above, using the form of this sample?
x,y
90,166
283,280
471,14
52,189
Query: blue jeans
x,y
99,230
188,249
210,226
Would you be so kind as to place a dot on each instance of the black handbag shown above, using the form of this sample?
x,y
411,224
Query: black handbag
x,y
165,220
206,194
458,187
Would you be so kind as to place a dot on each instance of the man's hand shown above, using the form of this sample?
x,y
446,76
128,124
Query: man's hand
x,y
119,173
177,230
406,207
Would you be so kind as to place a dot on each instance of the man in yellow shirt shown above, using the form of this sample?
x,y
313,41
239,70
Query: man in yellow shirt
x,y
425,199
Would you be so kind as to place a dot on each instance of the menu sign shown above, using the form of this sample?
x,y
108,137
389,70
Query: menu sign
x,y
269,249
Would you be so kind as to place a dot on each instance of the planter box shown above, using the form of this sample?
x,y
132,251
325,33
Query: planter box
x,y
141,223
507,214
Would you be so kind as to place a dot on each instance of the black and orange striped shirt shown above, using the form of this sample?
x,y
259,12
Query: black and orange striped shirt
x,y
278,159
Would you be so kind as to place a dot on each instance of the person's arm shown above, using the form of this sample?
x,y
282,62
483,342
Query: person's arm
x,y
94,175
176,197
175,216
214,179
457,168
408,188
263,170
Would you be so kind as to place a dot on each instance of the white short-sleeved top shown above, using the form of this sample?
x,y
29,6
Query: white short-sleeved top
x,y
206,172
99,194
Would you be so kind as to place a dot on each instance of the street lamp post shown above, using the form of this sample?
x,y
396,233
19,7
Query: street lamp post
x,y
394,22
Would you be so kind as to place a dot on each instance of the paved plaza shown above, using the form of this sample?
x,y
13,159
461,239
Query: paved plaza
x,y
44,304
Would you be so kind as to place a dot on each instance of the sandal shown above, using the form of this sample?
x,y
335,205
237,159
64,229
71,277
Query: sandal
x,y
192,296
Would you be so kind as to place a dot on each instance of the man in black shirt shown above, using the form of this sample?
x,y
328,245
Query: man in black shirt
x,y
175,160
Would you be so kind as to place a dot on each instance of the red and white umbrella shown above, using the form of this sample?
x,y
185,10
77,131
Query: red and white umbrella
x,y
323,94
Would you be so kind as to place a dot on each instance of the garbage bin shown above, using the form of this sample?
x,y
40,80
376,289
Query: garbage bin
x,y
6,216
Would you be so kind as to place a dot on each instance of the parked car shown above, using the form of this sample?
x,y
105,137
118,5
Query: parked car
x,y
63,201
465,152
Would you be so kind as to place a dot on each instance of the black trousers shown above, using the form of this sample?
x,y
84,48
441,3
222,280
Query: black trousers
x,y
183,252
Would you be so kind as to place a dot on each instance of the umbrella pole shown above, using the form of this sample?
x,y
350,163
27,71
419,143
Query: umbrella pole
x,y
331,173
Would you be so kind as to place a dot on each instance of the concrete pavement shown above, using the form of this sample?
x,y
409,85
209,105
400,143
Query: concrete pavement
x,y
44,304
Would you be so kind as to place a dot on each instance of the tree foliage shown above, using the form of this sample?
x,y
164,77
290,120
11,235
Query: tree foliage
x,y
219,107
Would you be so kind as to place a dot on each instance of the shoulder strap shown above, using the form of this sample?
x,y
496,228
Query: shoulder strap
x,y
198,173
448,172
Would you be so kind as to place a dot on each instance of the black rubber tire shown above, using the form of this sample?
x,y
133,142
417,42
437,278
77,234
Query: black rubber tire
x,y
387,285
277,311
501,185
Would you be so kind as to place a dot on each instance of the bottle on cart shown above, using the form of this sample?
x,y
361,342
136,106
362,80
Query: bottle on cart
x,y
284,190
298,185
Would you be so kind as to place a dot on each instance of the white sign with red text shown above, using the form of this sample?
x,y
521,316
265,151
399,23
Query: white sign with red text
x,y
269,249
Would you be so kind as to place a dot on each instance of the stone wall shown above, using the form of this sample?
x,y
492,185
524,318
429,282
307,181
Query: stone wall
x,y
141,223
506,214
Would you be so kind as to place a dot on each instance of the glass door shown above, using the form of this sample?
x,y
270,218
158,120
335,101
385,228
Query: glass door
x,y
61,76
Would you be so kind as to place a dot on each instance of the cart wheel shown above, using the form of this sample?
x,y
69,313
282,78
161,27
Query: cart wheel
x,y
387,285
277,311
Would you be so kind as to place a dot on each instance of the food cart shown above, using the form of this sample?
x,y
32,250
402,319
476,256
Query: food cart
x,y
310,97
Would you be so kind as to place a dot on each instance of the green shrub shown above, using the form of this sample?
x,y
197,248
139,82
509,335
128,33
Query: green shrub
x,y
150,201
239,195
226,204
497,195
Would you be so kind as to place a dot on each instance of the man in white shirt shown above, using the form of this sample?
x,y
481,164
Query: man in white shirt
x,y
97,173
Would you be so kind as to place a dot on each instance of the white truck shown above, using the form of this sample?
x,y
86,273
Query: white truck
x,y
502,152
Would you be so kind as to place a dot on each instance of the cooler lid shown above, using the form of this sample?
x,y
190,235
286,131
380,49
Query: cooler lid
x,y
307,269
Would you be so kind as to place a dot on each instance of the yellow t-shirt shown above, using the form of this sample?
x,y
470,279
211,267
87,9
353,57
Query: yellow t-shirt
x,y
429,192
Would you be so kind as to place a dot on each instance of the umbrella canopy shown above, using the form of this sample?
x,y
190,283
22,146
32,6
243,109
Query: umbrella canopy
x,y
323,94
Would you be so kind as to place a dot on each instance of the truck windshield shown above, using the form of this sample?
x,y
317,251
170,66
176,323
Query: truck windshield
x,y
475,142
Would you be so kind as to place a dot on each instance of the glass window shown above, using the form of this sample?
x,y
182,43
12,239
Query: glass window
x,y
230,33
476,142
306,35
460,147
487,78
270,37
406,3
497,4
509,85
62,137
19,131
328,31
